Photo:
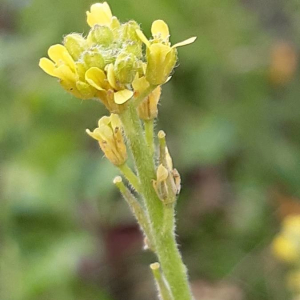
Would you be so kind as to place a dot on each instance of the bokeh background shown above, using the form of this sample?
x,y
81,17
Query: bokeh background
x,y
232,117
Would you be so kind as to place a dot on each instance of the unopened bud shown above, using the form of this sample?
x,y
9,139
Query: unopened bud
x,y
85,89
100,35
125,68
115,23
93,58
133,47
128,32
75,44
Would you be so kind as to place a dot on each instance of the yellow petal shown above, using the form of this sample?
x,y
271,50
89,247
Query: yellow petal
x,y
65,73
140,84
160,29
186,42
96,78
105,132
122,96
111,76
100,14
115,121
159,52
95,134
60,55
56,52
104,121
47,66
142,37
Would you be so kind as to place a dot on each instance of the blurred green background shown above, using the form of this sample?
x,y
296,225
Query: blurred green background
x,y
232,117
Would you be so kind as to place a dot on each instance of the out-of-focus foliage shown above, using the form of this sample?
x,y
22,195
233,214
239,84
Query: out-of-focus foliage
x,y
231,112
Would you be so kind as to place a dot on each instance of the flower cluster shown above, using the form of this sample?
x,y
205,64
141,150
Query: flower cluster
x,y
116,64
110,63
286,247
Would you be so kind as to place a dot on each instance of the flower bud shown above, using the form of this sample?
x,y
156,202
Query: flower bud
x,y
85,90
128,32
110,138
93,58
134,48
161,60
125,68
115,23
100,35
75,44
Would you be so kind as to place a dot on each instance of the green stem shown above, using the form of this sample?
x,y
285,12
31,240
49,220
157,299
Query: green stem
x,y
137,210
165,244
162,285
149,127
130,176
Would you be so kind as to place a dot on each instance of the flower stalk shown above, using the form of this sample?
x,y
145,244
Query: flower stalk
x,y
149,128
162,285
160,215
118,66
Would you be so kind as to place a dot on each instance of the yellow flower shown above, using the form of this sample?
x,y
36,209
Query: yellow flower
x,y
100,14
285,249
110,138
98,79
161,56
63,67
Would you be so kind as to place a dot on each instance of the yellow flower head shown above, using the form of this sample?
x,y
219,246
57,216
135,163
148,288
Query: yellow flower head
x,y
110,138
63,67
161,56
105,64
286,245
100,14
285,249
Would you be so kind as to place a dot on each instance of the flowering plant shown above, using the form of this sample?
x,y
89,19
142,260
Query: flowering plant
x,y
112,65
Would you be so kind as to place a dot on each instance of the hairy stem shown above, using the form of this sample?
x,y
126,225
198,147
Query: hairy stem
x,y
130,176
149,127
162,285
165,243
137,210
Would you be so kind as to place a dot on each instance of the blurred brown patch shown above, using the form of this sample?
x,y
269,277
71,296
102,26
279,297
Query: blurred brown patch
x,y
284,62
288,205
207,291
